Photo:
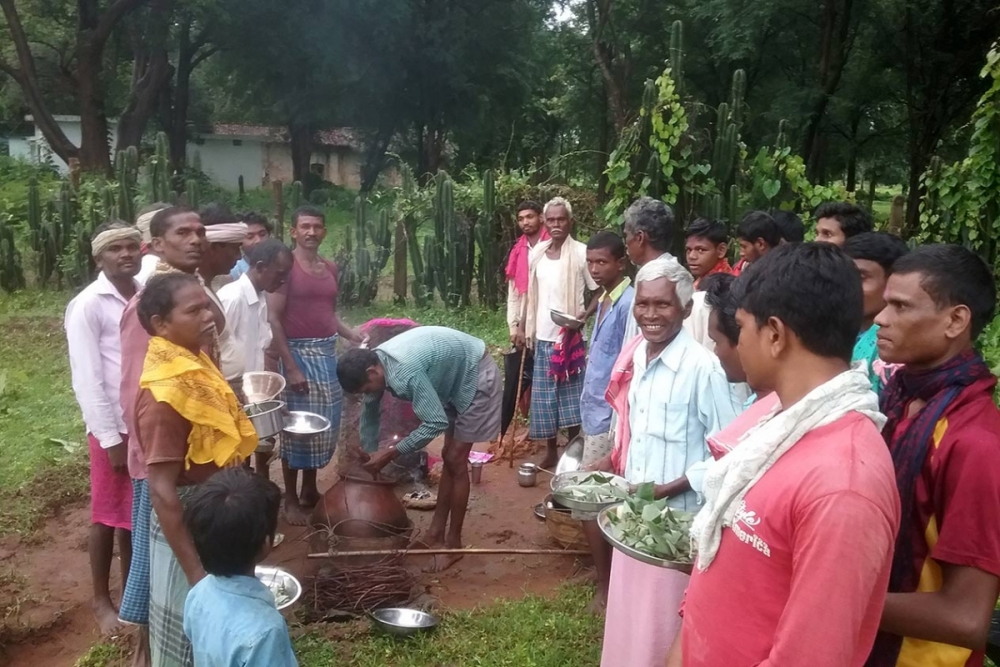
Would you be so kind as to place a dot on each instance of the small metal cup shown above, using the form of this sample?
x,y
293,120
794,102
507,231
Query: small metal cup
x,y
527,474
477,472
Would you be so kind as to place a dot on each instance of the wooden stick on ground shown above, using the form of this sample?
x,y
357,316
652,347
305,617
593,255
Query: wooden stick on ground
x,y
432,552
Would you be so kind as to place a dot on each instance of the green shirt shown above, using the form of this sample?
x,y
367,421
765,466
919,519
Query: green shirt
x,y
433,368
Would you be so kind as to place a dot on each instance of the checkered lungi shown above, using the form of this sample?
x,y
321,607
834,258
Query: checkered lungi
x,y
554,405
168,589
317,359
135,599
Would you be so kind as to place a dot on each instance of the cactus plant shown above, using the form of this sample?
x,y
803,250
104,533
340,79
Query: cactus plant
x,y
159,170
127,174
191,192
450,251
11,269
489,279
295,196
677,54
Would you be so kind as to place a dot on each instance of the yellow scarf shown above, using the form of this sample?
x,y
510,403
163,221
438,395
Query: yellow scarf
x,y
220,431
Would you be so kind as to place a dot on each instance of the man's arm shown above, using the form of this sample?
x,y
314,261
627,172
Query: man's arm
x,y
167,505
371,420
717,408
279,342
348,332
843,542
514,306
675,658
83,335
959,614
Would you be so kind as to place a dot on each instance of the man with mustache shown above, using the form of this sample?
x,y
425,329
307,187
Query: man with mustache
x,y
94,342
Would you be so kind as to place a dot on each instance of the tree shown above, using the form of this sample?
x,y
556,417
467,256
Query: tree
x,y
84,72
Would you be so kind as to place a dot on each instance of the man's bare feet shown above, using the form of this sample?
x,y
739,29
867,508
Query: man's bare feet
x,y
295,515
141,657
107,617
550,461
441,562
308,499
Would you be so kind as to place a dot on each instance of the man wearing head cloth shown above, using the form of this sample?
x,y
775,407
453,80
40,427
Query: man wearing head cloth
x,y
93,336
149,258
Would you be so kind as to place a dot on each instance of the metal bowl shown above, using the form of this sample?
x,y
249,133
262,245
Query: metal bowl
x,y
281,583
298,422
266,417
575,477
572,458
564,319
403,622
259,386
603,522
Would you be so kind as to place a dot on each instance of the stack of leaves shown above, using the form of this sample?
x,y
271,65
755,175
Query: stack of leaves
x,y
596,488
649,526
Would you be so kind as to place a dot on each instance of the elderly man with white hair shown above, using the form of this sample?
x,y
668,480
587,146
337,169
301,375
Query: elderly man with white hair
x,y
670,394
557,280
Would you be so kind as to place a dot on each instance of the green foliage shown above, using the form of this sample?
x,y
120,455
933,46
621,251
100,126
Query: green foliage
x,y
11,268
777,179
361,266
961,202
487,234
159,170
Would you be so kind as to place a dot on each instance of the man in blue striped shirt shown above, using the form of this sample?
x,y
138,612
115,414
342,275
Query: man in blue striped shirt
x,y
454,386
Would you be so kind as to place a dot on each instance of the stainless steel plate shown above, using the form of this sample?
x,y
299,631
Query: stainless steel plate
x,y
603,522
575,477
572,458
564,319
298,422
402,621
285,588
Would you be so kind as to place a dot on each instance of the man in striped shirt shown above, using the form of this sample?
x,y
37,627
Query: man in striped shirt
x,y
454,386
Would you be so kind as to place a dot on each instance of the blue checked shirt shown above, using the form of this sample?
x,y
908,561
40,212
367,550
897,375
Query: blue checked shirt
x,y
433,368
675,403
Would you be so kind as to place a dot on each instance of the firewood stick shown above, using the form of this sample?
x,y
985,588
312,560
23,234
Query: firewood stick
x,y
517,403
432,552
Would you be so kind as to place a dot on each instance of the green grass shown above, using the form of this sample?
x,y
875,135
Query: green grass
x,y
37,408
528,632
532,631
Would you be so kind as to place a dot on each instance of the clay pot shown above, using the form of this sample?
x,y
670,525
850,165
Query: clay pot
x,y
360,507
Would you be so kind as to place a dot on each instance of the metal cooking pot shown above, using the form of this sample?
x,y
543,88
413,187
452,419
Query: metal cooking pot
x,y
267,417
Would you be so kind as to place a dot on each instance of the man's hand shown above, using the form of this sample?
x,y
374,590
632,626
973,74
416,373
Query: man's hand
x,y
361,455
118,457
582,317
517,339
379,460
600,465
297,381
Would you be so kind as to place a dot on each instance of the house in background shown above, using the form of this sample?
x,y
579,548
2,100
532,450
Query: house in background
x,y
259,153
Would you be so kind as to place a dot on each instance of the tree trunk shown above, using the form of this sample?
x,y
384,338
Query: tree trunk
x,y
835,45
399,277
95,155
302,142
150,76
375,160
598,16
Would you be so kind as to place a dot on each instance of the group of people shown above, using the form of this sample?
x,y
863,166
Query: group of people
x,y
184,304
820,405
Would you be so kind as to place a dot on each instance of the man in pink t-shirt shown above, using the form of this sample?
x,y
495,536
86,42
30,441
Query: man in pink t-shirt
x,y
796,536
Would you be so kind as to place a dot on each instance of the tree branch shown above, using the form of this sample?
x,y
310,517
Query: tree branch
x,y
115,13
203,56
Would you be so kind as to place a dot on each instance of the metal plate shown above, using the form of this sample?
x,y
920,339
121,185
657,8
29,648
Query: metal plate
x,y
564,319
604,524
575,477
402,621
279,581
298,422
259,386
572,458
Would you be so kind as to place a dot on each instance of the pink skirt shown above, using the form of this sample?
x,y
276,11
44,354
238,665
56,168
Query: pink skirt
x,y
110,491
642,617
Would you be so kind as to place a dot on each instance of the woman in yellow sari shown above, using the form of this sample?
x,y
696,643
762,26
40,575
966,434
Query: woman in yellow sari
x,y
190,425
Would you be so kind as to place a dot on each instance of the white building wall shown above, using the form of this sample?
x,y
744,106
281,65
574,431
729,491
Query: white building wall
x,y
225,161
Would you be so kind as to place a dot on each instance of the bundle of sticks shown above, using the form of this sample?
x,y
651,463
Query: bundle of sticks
x,y
348,592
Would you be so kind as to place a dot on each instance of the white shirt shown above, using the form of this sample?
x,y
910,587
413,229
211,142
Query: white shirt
x,y
675,403
248,332
550,285
696,323
93,335
147,267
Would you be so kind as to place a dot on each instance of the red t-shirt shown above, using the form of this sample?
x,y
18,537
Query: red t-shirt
x,y
800,578
957,517
310,302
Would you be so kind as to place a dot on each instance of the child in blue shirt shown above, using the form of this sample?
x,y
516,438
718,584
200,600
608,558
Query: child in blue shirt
x,y
230,616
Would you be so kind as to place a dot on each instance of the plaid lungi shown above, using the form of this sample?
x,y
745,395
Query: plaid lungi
x,y
317,359
554,404
168,589
135,599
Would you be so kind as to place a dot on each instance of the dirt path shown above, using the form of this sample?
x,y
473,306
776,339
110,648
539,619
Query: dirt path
x,y
51,575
